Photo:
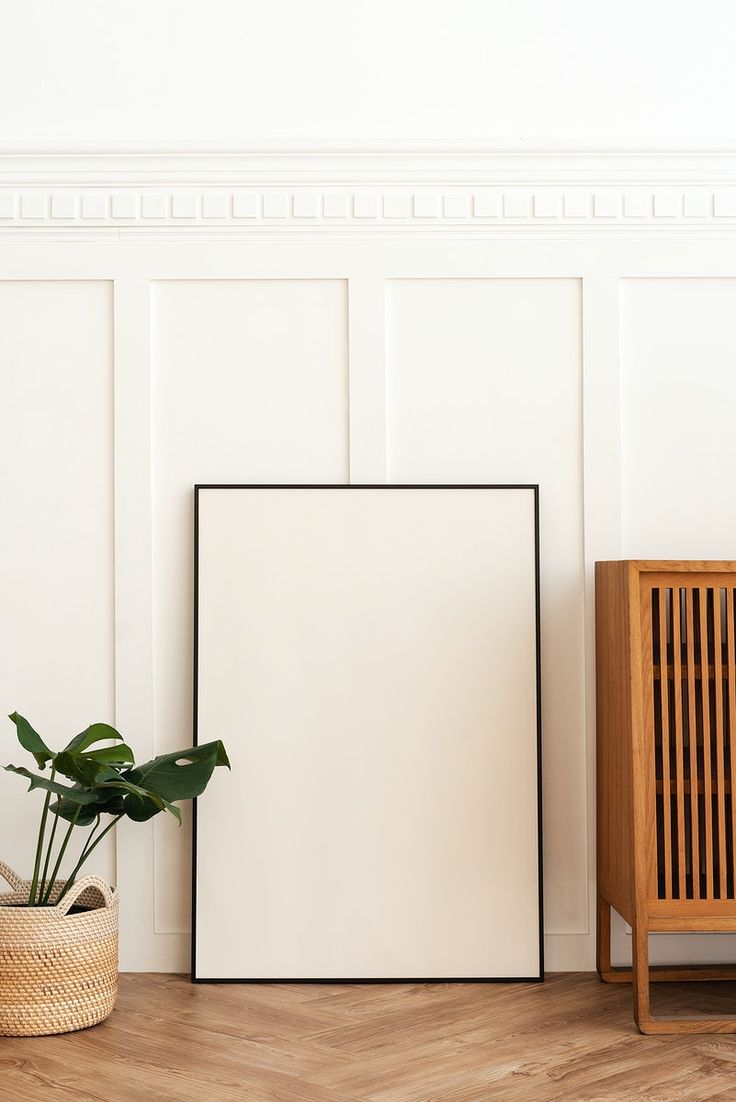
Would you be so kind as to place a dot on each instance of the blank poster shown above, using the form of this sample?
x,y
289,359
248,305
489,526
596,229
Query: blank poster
x,y
369,656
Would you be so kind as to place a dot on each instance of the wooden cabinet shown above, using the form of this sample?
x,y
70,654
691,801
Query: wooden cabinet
x,y
666,761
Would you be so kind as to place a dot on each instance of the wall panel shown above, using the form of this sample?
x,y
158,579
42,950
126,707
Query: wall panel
x,y
56,552
249,384
678,357
484,384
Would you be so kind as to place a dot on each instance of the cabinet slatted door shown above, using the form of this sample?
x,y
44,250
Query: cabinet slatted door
x,y
690,663
666,732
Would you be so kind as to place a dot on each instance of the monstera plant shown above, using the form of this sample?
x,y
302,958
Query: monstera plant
x,y
92,785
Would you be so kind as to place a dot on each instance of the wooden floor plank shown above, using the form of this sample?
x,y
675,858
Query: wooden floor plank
x,y
571,1039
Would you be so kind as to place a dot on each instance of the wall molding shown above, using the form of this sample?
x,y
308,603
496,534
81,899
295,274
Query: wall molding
x,y
409,188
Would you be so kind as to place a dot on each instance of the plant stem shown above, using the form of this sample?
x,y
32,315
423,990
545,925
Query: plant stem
x,y
62,851
42,887
85,854
39,845
88,844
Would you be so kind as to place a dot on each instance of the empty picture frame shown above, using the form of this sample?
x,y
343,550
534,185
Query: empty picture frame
x,y
370,657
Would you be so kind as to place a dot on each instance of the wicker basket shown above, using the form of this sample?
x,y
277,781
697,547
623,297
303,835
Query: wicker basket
x,y
58,971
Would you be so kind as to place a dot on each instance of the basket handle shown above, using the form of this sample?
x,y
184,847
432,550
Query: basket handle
x,y
15,881
64,905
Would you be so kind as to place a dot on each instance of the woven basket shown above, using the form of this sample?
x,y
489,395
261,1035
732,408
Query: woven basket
x,y
58,971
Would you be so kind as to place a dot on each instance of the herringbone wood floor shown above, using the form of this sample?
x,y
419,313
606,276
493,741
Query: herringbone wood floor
x,y
569,1040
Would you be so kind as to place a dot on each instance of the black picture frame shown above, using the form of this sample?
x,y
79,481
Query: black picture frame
x,y
357,487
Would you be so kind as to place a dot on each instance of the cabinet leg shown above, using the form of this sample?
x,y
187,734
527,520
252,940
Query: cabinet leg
x,y
640,973
606,971
603,940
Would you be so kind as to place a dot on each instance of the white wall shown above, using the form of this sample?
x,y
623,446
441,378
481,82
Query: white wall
x,y
165,320
505,70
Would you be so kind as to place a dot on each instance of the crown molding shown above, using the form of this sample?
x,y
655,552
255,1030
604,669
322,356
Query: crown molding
x,y
200,162
298,187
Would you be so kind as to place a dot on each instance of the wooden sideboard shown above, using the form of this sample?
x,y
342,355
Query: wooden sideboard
x,y
666,763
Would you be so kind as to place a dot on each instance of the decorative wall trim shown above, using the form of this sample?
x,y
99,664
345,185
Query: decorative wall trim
x,y
462,188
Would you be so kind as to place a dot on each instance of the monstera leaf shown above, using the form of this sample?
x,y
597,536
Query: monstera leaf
x,y
114,755
91,769
31,740
75,795
87,814
180,776
111,795
136,793
96,732
142,806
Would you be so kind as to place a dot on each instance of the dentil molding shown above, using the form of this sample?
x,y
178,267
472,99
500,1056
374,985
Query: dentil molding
x,y
407,188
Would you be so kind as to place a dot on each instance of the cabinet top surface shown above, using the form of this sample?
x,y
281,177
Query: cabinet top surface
x,y
716,566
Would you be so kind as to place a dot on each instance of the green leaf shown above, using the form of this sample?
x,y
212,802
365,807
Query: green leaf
x,y
93,766
142,808
31,740
76,795
143,794
89,769
106,773
182,775
117,755
105,804
96,732
77,768
66,809
111,806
